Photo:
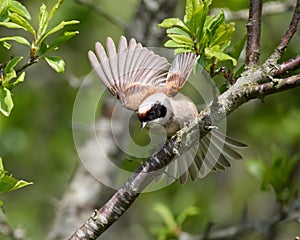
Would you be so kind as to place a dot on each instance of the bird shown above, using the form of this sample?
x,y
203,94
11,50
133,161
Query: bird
x,y
147,84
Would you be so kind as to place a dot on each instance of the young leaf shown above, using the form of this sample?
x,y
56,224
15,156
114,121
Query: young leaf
x,y
6,102
215,52
3,7
12,25
173,22
57,63
182,39
166,215
43,21
18,8
173,44
223,35
19,79
9,72
188,212
56,43
54,9
214,24
8,183
5,44
58,27
177,30
182,50
11,64
197,19
22,21
18,39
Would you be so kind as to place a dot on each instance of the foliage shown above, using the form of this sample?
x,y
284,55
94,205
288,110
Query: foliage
x,y
8,183
275,175
173,225
201,33
14,15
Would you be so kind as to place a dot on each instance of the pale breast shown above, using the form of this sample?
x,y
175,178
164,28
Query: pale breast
x,y
184,111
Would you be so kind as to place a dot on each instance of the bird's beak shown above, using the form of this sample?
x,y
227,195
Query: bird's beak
x,y
143,125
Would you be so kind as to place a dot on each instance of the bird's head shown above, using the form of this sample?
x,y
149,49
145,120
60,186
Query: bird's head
x,y
155,109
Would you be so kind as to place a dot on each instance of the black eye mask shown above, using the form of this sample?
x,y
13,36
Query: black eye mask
x,y
156,111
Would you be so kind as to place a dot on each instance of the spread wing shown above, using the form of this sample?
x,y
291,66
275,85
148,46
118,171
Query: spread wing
x,y
180,70
132,72
214,152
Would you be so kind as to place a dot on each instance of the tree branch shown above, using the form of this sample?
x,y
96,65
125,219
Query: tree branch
x,y
253,28
280,49
227,102
253,83
288,66
235,231
31,61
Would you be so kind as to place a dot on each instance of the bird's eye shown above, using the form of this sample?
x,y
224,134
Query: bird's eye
x,y
157,111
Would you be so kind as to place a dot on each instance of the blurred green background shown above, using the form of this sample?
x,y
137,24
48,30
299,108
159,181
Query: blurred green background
x,y
36,141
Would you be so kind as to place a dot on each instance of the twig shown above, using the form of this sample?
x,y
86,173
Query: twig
x,y
288,66
31,61
235,231
291,30
102,12
277,85
280,49
253,27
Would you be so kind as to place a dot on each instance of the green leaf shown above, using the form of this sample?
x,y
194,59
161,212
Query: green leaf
x,y
9,71
197,21
19,80
8,183
173,44
57,63
5,44
214,24
58,27
18,39
182,39
54,9
188,212
3,7
6,101
166,215
56,43
223,35
12,25
177,30
173,22
11,64
22,21
20,9
181,50
43,21
215,52
189,9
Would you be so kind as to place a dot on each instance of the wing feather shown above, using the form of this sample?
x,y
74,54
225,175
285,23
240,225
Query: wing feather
x,y
129,69
180,70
